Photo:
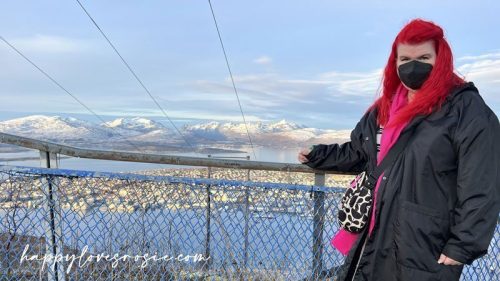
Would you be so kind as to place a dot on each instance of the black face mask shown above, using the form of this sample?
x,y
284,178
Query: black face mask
x,y
414,73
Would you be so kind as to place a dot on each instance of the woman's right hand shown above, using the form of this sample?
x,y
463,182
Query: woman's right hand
x,y
303,155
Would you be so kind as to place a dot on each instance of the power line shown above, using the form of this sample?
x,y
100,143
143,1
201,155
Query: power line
x,y
135,75
232,79
67,92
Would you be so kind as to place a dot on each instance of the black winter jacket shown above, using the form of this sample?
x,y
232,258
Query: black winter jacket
x,y
441,195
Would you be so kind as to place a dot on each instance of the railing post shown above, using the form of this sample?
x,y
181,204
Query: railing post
x,y
318,225
247,220
206,263
52,208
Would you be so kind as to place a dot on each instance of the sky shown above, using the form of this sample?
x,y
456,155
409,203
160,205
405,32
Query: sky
x,y
316,63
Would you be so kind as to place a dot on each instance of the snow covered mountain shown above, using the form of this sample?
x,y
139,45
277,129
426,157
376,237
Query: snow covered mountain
x,y
274,133
143,130
136,124
240,128
53,128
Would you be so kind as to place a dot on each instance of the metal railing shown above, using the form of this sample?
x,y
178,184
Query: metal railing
x,y
191,228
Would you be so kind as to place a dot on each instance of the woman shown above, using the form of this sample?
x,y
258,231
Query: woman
x,y
437,205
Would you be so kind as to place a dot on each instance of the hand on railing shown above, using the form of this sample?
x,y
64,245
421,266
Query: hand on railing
x,y
302,156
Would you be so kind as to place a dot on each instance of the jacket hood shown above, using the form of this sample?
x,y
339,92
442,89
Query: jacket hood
x,y
459,90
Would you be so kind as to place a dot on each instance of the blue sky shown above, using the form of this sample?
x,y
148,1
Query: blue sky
x,y
316,63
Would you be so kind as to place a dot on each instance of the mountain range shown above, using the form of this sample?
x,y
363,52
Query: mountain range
x,y
119,133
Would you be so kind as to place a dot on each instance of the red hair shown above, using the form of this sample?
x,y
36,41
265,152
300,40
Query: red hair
x,y
435,89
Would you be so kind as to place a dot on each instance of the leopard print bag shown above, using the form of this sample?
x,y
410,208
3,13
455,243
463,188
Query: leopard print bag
x,y
356,205
357,202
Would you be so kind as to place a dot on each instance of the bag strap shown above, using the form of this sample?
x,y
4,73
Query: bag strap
x,y
391,156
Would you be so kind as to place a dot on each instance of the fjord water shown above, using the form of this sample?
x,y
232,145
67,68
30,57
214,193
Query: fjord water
x,y
266,154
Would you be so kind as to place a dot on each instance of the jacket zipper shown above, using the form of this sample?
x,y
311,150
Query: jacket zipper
x,y
360,255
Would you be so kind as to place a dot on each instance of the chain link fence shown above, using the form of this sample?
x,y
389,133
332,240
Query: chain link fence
x,y
58,224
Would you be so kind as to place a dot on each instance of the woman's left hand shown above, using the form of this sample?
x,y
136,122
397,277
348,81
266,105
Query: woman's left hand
x,y
448,261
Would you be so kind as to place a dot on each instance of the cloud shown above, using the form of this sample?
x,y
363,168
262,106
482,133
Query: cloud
x,y
263,60
484,71
330,99
51,44
480,57
180,114
357,84
361,85
334,98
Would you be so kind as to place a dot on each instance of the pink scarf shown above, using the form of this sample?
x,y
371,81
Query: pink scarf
x,y
344,240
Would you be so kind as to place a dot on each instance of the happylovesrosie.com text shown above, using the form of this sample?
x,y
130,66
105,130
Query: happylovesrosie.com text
x,y
83,259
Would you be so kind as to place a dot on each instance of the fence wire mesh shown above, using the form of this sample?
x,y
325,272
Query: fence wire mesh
x,y
111,226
